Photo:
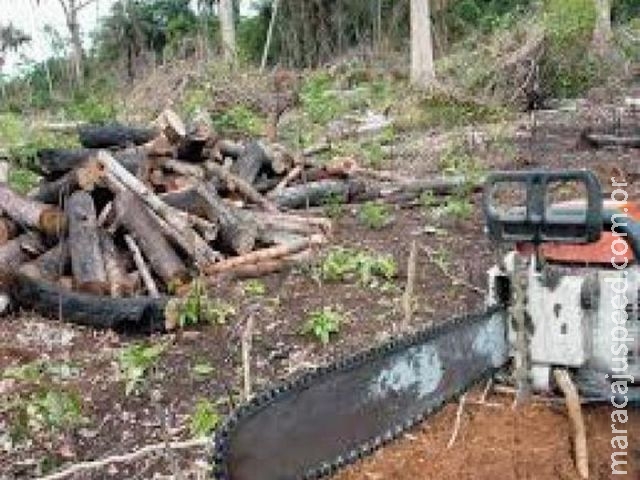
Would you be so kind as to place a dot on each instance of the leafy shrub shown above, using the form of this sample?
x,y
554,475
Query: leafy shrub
x,y
135,363
375,215
239,120
343,264
204,418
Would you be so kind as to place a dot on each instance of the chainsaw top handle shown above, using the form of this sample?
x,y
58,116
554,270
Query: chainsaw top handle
x,y
531,218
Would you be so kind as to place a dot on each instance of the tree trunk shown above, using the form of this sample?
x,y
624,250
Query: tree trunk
x,y
31,213
312,194
114,135
54,162
133,215
87,262
248,165
602,33
422,67
237,233
228,29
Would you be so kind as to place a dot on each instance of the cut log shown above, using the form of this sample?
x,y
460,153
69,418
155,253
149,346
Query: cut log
x,y
114,135
278,158
87,262
54,162
407,191
85,176
8,229
20,250
248,165
293,174
183,168
200,134
245,189
134,216
145,274
48,219
312,194
270,253
190,201
228,148
128,315
171,126
182,232
51,265
236,234
119,283
4,171
267,267
292,223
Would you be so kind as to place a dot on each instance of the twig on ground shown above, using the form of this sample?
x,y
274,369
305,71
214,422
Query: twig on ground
x,y
128,457
456,281
456,426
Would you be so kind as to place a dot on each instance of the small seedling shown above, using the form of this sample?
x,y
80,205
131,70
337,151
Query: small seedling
x,y
458,208
54,409
334,206
204,418
321,324
375,215
254,288
197,307
202,370
136,361
343,264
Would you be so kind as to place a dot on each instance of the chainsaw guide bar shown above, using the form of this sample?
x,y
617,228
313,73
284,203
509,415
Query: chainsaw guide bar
x,y
330,417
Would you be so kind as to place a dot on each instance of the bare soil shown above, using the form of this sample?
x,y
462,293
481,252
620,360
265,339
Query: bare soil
x,y
494,441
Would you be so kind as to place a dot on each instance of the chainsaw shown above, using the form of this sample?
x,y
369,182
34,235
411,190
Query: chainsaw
x,y
550,304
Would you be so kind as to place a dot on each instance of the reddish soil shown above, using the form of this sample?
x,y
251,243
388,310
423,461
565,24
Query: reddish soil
x,y
494,442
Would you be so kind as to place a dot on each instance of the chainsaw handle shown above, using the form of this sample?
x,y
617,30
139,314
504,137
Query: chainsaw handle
x,y
534,222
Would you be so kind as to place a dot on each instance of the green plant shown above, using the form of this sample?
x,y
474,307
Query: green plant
x,y
202,370
197,307
318,102
135,363
334,206
321,324
254,288
457,207
204,418
239,119
375,215
54,409
342,264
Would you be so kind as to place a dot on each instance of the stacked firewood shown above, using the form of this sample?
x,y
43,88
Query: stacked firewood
x,y
117,227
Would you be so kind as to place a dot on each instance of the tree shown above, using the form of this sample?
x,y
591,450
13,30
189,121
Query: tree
x,y
422,68
71,9
228,30
602,33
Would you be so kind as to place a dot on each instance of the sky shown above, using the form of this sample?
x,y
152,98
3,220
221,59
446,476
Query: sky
x,y
32,18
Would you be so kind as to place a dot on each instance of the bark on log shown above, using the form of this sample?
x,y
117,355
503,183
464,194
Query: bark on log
x,y
48,219
138,315
171,126
267,267
236,233
200,134
312,194
190,201
54,162
133,215
228,148
278,158
119,283
51,265
248,165
87,262
183,234
8,229
407,191
245,189
114,135
19,250
292,223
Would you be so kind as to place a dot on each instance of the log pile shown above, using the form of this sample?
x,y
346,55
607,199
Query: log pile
x,y
118,227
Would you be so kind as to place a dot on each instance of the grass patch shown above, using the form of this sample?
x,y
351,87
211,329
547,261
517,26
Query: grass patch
x,y
204,419
345,264
197,307
136,362
239,120
375,215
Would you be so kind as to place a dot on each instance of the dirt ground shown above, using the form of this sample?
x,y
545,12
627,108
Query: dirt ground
x,y
494,441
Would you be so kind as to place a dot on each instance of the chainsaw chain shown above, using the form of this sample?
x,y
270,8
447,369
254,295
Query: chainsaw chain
x,y
222,435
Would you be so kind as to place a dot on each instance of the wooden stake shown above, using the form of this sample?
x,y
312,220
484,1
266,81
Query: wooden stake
x,y
574,409
247,335
407,298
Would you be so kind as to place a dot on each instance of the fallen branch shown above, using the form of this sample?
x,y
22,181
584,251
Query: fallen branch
x,y
247,336
141,265
456,425
245,189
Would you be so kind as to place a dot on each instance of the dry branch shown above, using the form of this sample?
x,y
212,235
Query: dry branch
x,y
235,183
141,265
48,219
